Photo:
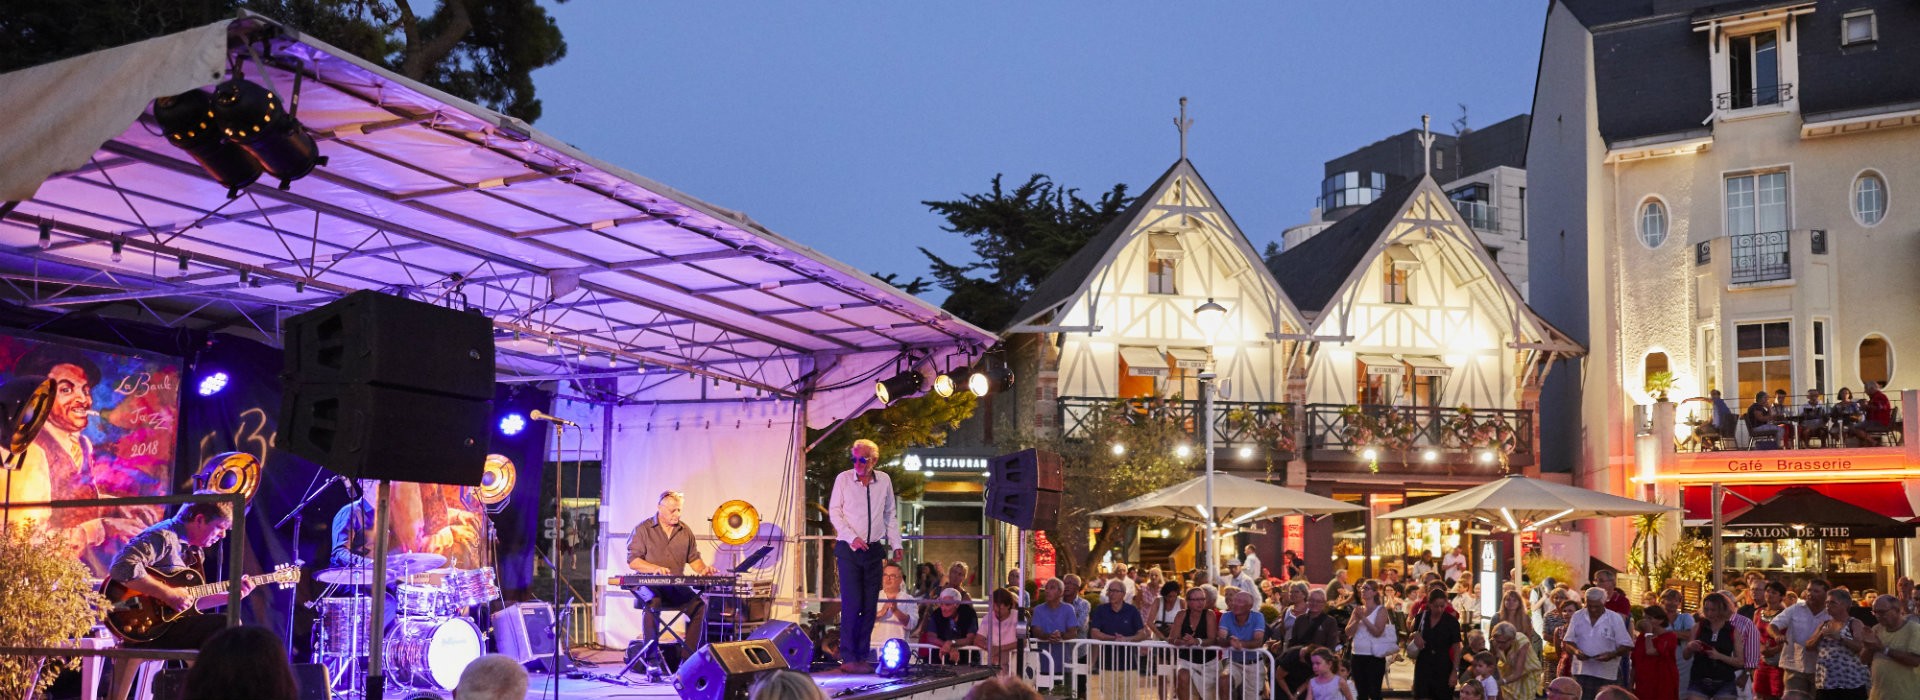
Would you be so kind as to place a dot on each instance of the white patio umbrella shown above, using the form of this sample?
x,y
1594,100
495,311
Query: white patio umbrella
x,y
1519,504
1236,501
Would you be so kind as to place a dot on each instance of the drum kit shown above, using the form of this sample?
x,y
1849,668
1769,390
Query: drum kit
x,y
432,636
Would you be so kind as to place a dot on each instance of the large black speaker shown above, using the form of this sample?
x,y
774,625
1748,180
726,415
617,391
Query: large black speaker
x,y
381,387
727,670
371,338
310,679
525,633
791,640
1024,489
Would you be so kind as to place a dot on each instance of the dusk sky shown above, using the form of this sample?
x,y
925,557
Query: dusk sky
x,y
830,122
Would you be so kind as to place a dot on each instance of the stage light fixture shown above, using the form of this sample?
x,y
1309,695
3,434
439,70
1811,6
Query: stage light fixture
x,y
184,258
988,378
943,384
212,384
118,246
895,657
512,423
899,386
250,115
187,119
46,234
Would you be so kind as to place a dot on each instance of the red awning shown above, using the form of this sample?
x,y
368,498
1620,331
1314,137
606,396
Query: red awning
x,y
1888,498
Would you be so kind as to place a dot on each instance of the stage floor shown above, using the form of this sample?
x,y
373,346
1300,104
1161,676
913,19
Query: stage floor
x,y
928,683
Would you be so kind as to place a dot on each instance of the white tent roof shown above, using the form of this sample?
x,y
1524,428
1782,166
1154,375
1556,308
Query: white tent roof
x,y
1517,502
1236,500
428,195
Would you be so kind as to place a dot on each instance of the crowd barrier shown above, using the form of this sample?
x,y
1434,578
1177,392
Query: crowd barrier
x,y
1150,670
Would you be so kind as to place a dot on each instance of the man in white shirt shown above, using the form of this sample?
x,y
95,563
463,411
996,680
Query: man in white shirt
x,y
1453,566
895,620
1795,624
866,526
1253,564
1238,578
1597,638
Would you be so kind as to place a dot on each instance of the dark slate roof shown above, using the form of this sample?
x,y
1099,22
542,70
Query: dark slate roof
x,y
1067,278
1503,143
1311,273
1653,78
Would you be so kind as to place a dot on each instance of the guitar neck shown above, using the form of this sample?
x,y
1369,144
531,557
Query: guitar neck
x,y
207,589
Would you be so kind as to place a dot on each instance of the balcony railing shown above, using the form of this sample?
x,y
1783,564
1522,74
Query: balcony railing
x,y
1235,423
1794,427
1329,427
1479,215
1760,257
1757,97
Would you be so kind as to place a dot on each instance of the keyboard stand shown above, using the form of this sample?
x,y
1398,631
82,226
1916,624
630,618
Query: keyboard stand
x,y
657,672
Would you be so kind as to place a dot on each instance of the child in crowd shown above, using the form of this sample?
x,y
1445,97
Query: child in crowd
x,y
1471,690
1327,683
1484,672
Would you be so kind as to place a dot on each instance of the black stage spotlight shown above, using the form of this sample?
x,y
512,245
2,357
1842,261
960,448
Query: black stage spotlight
x,y
899,386
187,119
989,377
250,115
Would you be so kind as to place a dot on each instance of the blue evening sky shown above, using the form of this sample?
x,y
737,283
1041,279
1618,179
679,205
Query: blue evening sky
x,y
829,122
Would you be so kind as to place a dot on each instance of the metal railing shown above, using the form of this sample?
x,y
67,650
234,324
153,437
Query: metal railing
x,y
1097,670
1762,96
1760,257
1479,215
1794,427
1328,426
1234,422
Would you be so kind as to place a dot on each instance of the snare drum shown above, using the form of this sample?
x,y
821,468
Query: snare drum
x,y
470,587
343,626
415,600
428,653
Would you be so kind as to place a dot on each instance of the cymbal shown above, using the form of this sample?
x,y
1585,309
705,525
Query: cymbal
x,y
346,576
410,563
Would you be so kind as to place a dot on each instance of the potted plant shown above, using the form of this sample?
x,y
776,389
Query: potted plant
x,y
1658,384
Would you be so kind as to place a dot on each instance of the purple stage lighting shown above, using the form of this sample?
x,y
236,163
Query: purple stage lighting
x,y
512,423
213,383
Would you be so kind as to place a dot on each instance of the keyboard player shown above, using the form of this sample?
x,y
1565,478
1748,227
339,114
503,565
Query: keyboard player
x,y
663,544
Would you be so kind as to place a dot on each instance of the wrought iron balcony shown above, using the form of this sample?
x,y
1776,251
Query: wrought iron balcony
x,y
1267,426
1760,257
1404,433
1758,97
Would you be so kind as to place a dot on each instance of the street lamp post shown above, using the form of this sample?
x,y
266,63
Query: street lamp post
x,y
1209,316
1206,440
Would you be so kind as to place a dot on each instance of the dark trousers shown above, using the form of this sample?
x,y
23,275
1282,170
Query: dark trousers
x,y
1369,672
686,601
859,597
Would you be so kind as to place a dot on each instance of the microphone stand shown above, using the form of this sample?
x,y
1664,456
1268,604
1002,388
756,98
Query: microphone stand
x,y
298,515
559,530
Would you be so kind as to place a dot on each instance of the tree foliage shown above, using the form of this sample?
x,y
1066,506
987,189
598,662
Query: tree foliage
x,y
1096,477
921,421
481,50
1019,236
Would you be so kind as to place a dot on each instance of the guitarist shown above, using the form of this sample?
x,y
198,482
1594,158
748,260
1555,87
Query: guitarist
x,y
167,547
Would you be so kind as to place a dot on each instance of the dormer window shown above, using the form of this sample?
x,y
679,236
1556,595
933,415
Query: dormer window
x,y
1166,253
1753,70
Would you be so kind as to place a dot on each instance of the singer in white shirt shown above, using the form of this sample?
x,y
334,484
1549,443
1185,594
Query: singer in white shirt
x,y
866,524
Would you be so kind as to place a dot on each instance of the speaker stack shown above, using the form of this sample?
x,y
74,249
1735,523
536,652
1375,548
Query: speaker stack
x,y
728,670
1024,489
382,387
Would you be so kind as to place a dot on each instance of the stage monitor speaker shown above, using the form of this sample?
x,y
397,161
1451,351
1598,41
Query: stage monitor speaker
x,y
366,431
372,338
310,679
727,670
525,633
793,642
1024,489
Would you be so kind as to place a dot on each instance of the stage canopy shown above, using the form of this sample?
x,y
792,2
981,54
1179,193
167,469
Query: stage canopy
x,y
588,270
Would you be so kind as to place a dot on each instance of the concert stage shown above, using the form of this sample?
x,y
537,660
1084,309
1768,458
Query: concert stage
x,y
921,683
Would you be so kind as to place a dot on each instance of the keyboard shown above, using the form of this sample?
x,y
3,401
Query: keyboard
x,y
708,584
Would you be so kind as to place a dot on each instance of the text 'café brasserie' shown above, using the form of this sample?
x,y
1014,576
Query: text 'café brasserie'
x,y
1847,517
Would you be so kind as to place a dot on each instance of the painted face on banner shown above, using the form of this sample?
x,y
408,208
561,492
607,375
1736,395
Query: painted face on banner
x,y
72,398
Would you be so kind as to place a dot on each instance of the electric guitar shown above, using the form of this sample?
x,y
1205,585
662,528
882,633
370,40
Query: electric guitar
x,y
137,617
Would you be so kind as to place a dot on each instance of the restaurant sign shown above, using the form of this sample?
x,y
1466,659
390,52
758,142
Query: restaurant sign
x,y
1781,532
1815,464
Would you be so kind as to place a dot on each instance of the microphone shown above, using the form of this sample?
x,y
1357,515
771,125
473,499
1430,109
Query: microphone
x,y
536,414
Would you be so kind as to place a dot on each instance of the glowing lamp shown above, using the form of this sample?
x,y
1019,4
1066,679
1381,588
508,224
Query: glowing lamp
x,y
213,383
894,658
899,386
1183,451
1210,315
512,423
943,385
1370,454
1119,449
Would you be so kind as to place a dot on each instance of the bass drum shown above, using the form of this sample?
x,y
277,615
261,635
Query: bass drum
x,y
430,653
